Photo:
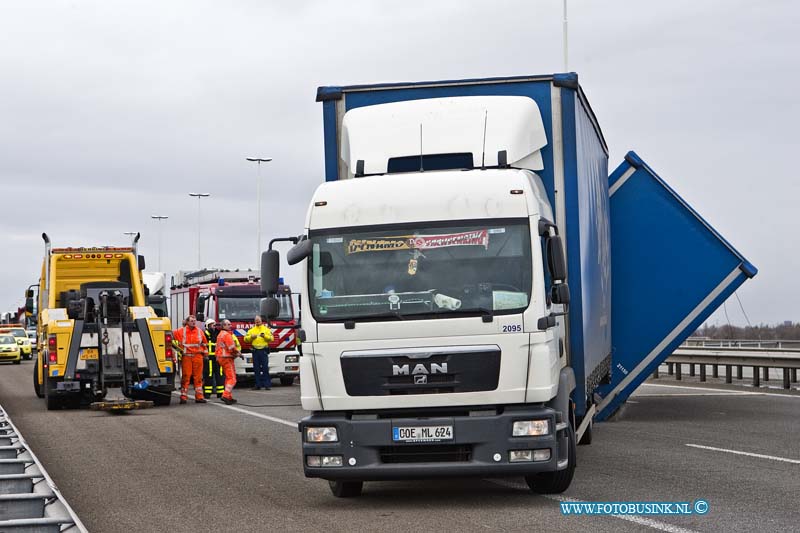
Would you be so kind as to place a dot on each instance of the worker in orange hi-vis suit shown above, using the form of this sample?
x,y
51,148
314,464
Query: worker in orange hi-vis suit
x,y
194,346
226,353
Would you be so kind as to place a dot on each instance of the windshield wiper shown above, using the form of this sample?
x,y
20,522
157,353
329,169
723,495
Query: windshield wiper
x,y
486,314
350,323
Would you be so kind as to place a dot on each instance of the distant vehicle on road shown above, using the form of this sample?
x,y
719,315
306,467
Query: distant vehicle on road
x,y
32,336
20,337
9,349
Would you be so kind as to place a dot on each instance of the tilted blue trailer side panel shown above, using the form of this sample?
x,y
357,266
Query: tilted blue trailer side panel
x,y
671,270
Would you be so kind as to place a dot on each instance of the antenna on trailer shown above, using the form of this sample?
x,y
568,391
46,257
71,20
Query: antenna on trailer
x,y
421,169
483,152
566,68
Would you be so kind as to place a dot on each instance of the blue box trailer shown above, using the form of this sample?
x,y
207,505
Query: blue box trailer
x,y
644,269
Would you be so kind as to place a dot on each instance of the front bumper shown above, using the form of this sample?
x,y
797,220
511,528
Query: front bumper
x,y
480,446
10,356
278,367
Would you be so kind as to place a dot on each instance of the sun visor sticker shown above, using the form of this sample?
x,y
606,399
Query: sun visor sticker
x,y
419,242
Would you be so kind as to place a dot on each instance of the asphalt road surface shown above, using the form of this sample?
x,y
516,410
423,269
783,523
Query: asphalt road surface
x,y
217,468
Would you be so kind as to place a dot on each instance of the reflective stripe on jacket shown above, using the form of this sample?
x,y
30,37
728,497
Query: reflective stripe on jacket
x,y
226,345
211,343
192,340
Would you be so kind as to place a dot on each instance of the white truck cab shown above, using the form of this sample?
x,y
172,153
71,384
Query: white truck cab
x,y
431,294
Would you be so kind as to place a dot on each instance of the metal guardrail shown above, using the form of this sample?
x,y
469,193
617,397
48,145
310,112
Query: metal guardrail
x,y
723,343
760,359
29,500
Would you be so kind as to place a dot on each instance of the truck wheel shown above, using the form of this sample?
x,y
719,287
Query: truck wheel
x,y
287,381
36,387
558,481
158,397
346,489
53,402
586,439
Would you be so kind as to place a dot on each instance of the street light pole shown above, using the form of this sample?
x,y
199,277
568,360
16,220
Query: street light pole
x,y
159,218
199,195
258,160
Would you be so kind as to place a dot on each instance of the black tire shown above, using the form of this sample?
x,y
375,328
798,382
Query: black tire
x,y
586,438
18,361
287,381
53,402
558,481
36,387
346,489
158,397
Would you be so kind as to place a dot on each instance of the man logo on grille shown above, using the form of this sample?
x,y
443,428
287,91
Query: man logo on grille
x,y
419,369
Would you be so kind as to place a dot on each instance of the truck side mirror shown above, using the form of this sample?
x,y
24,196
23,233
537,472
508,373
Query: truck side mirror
x,y
555,258
559,294
29,293
301,250
200,313
270,271
269,307
141,262
29,304
546,322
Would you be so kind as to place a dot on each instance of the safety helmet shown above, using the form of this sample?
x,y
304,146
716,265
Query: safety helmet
x,y
210,322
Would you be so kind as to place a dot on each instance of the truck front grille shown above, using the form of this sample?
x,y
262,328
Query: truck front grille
x,y
428,453
442,370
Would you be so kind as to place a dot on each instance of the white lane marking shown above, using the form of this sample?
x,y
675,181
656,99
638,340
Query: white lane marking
x,y
737,452
259,415
636,519
677,394
747,393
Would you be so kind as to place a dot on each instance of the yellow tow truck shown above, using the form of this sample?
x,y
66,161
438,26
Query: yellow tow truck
x,y
95,330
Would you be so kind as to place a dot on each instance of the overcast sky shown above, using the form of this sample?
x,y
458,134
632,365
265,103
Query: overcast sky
x,y
112,111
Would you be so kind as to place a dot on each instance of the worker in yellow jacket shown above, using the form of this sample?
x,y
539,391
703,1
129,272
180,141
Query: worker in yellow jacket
x,y
259,336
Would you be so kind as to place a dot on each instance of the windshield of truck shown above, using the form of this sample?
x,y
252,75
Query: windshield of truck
x,y
421,270
6,339
247,307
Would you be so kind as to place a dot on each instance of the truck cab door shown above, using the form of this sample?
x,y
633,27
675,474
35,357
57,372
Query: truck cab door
x,y
669,271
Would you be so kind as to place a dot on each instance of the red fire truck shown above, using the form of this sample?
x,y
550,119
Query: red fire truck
x,y
236,295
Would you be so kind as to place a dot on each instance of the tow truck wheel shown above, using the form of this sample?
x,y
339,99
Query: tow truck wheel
x,y
287,381
346,489
53,402
558,481
36,387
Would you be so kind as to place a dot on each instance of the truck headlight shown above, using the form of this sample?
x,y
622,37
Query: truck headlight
x,y
324,461
291,359
321,434
530,428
